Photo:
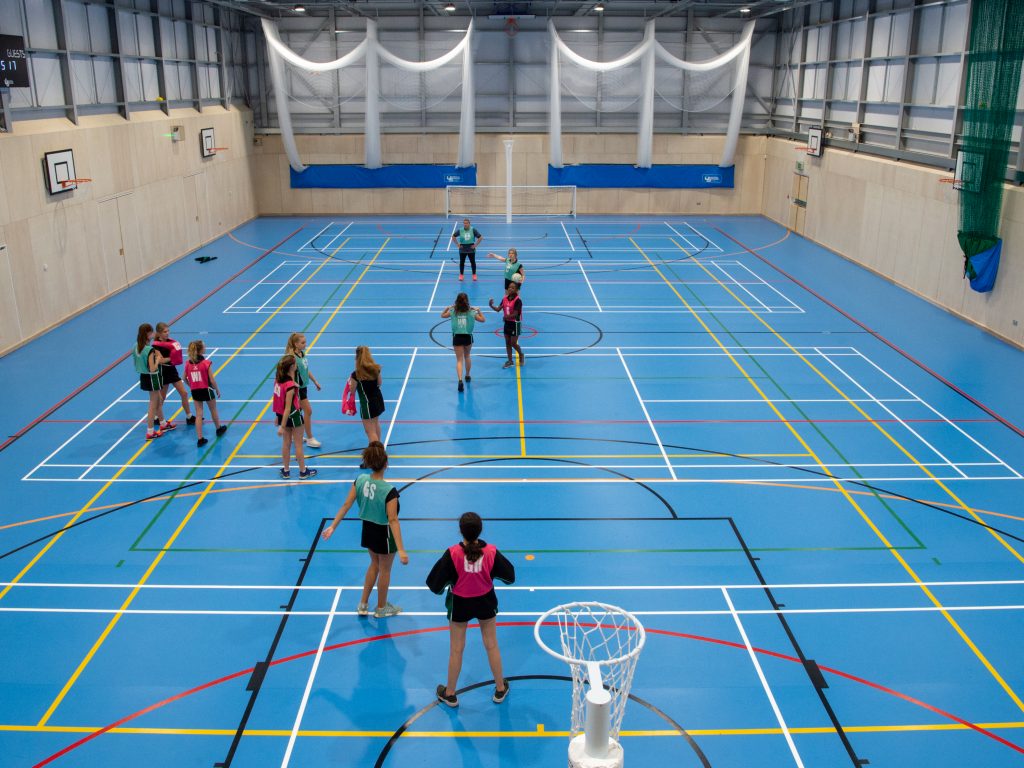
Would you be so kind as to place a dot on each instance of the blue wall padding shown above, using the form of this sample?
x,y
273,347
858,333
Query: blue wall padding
x,y
402,176
657,176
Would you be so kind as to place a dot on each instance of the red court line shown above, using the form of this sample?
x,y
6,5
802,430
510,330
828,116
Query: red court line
x,y
892,345
408,633
81,388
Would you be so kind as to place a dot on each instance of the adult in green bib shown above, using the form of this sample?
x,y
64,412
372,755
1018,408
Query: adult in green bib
x,y
467,238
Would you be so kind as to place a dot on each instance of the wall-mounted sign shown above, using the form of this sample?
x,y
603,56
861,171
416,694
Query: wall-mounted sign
x,y
13,62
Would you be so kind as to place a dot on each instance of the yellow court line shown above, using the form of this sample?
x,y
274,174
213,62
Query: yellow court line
x,y
962,505
202,496
522,422
540,732
842,489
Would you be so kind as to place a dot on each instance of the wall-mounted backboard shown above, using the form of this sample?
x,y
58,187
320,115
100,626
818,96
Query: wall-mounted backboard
x,y
814,145
207,143
58,170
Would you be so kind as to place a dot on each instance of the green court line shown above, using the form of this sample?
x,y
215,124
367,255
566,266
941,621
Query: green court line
x,y
188,476
753,357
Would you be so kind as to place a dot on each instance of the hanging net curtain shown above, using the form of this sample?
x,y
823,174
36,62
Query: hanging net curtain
x,y
685,85
402,83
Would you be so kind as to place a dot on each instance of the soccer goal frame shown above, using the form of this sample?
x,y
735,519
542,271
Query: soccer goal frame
x,y
510,201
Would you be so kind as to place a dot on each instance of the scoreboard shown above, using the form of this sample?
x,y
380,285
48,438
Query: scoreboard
x,y
13,62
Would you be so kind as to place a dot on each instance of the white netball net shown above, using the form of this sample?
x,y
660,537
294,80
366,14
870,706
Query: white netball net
x,y
594,634
526,201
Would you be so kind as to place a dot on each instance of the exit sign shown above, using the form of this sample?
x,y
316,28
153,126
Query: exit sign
x,y
13,62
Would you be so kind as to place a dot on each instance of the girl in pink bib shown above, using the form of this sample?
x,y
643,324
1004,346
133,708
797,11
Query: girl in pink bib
x,y
201,381
467,570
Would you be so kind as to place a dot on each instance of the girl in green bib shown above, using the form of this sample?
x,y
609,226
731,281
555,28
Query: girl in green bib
x,y
147,364
382,535
512,266
463,317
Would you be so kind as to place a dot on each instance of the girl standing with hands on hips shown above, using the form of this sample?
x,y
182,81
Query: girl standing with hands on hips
x,y
463,319
468,570
382,535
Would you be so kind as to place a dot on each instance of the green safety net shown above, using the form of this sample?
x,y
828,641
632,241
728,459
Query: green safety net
x,y
994,58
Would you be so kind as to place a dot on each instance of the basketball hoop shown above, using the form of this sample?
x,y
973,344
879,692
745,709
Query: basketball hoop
x,y
215,150
958,184
601,644
73,183
511,26
803,149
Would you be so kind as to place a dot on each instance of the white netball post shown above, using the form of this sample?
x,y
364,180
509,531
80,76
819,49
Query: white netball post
x,y
508,180
601,644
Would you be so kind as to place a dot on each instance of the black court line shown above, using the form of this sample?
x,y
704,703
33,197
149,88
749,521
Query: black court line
x,y
561,678
437,239
343,451
255,684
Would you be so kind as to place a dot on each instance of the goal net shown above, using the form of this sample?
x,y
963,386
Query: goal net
x,y
526,201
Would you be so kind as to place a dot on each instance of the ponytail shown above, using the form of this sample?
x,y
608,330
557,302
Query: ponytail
x,y
142,338
471,526
195,350
374,456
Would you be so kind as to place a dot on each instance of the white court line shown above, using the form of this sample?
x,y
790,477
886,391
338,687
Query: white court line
x,y
401,394
904,424
702,612
764,681
712,245
765,283
430,304
626,309
309,682
738,284
121,439
88,424
285,285
898,383
598,303
328,246
567,235
314,237
255,285
682,237
647,416
548,588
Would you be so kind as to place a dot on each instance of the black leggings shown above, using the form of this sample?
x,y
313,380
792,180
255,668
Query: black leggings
x,y
462,260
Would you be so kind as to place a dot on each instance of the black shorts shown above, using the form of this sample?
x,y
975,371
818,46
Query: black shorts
x,y
303,394
203,395
512,327
294,418
378,538
169,374
463,609
150,382
462,339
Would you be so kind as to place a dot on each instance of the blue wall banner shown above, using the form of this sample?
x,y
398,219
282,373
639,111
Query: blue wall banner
x,y
656,177
403,176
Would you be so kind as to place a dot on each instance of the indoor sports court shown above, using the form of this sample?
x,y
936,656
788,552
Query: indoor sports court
x,y
755,466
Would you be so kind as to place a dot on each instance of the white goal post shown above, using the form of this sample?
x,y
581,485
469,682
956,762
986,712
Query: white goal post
x,y
525,201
